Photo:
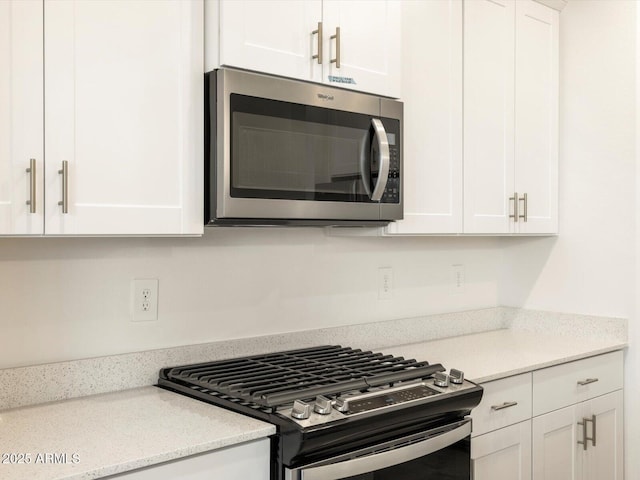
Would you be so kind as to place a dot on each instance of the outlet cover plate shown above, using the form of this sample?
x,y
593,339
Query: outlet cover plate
x,y
144,300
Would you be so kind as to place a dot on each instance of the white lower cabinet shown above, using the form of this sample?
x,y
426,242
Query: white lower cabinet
x,y
582,442
504,454
555,437
501,439
559,423
248,461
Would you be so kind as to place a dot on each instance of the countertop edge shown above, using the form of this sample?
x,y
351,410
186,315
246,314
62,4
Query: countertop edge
x,y
180,454
550,363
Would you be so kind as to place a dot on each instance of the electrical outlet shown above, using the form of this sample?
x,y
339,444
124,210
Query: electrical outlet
x,y
457,278
385,283
144,299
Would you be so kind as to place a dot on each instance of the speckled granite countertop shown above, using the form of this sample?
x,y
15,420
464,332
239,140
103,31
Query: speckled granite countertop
x,y
111,433
115,432
501,353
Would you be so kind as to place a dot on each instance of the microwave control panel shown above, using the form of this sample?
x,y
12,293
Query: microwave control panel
x,y
392,191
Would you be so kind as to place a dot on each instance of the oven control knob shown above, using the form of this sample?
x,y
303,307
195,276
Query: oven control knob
x,y
456,376
323,405
301,410
441,379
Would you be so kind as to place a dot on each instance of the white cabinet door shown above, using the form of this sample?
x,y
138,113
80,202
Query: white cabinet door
x,y
368,48
21,110
124,108
432,96
294,39
503,454
604,460
248,461
271,36
510,117
555,445
536,107
488,115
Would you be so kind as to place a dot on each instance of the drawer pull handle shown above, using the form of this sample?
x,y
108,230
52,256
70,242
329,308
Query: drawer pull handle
x,y
582,383
503,406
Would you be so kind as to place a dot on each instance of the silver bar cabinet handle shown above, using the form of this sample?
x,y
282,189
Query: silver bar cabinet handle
x,y
32,185
593,421
65,186
585,436
582,383
524,199
503,406
318,31
583,424
515,206
337,38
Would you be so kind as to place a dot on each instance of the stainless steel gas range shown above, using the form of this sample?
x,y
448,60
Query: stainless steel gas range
x,y
345,414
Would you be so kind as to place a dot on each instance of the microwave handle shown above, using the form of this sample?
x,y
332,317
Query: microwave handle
x,y
380,135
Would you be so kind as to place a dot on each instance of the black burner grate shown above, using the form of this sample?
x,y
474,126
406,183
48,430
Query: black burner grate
x,y
275,379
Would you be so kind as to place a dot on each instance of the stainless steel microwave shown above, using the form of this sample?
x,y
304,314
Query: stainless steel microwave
x,y
287,152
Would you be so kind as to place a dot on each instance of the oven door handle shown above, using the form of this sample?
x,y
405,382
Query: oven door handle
x,y
382,142
378,461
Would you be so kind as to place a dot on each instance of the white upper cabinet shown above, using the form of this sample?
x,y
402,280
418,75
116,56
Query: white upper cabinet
x,y
468,168
365,53
350,44
271,36
510,117
432,137
21,110
110,94
124,114
536,127
488,114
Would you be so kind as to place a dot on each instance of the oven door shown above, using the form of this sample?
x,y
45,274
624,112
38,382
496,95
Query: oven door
x,y
439,454
295,151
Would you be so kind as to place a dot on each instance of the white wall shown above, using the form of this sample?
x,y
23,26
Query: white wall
x,y
70,298
591,267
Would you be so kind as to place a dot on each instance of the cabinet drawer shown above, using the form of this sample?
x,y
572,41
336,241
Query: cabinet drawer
x,y
504,402
563,385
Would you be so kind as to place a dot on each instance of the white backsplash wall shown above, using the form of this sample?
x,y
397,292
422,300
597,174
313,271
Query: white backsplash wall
x,y
69,298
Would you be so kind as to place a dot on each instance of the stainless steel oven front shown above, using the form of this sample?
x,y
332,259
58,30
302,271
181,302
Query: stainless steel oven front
x,y
442,453
281,151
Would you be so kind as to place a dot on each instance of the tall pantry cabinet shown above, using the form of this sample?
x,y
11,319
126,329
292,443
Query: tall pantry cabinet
x,y
113,117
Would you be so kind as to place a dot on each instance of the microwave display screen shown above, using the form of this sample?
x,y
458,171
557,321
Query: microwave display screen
x,y
391,138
